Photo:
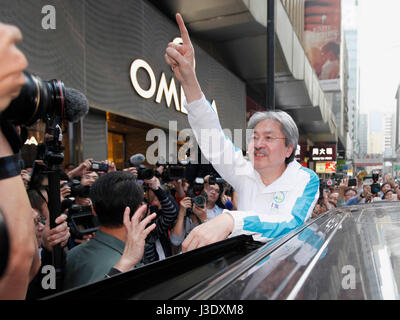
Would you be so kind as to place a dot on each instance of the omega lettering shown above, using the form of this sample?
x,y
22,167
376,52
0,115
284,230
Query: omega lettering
x,y
169,92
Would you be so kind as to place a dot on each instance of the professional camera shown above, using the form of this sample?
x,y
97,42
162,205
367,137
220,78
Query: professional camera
x,y
82,221
215,180
173,172
352,182
40,99
375,186
144,173
98,166
200,200
77,189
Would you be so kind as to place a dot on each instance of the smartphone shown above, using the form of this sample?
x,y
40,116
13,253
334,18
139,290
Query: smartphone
x,y
352,182
99,166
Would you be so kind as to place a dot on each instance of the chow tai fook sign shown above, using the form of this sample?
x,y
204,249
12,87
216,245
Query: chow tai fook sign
x,y
325,167
323,153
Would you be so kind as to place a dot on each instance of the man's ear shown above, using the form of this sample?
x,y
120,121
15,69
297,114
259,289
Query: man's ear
x,y
289,151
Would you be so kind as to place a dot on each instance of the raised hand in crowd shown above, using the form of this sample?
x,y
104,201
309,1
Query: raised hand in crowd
x,y
137,230
80,169
132,170
153,183
65,190
178,184
57,235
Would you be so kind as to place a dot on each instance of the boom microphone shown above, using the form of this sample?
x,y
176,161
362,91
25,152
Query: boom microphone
x,y
76,105
137,159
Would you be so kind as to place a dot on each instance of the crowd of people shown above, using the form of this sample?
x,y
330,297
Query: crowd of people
x,y
164,214
365,191
112,221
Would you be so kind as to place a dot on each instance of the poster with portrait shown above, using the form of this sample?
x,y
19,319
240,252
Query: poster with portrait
x,y
322,19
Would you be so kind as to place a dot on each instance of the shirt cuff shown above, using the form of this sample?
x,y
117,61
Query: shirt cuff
x,y
195,104
237,222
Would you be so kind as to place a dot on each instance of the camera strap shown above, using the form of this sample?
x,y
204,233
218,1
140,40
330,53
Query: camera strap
x,y
11,134
10,166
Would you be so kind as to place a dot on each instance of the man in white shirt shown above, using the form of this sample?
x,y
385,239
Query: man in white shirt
x,y
276,194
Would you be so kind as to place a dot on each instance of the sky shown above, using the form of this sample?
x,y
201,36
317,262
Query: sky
x,y
378,25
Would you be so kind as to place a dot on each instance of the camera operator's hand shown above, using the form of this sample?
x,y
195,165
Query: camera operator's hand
x,y
65,191
83,201
136,233
185,203
201,213
81,169
111,165
214,230
59,234
12,64
85,238
153,183
26,178
132,170
178,184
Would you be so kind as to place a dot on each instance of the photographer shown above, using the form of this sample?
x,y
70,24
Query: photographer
x,y
364,197
158,244
119,242
213,191
23,262
190,216
47,238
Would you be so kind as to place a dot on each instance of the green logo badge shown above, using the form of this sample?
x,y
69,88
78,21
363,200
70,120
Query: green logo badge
x,y
279,197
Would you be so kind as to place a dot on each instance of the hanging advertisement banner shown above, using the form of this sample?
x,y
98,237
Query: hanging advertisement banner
x,y
322,19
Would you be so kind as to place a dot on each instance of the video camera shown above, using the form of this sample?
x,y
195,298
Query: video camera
x,y
173,172
77,189
82,221
145,173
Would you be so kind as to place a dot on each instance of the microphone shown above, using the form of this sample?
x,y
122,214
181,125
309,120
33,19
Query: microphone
x,y
76,105
137,159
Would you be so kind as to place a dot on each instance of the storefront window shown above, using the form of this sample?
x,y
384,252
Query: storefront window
x,y
116,149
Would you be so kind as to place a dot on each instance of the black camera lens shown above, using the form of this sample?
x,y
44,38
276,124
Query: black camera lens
x,y
36,99
145,174
199,201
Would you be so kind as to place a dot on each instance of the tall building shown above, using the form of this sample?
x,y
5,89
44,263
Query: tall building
x,y
349,25
375,141
363,134
389,134
351,37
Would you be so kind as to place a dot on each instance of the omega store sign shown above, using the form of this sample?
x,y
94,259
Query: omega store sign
x,y
133,79
113,52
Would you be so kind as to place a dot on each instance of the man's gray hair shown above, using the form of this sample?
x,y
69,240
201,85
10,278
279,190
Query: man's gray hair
x,y
288,127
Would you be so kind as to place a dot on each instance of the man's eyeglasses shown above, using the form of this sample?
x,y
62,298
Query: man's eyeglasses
x,y
267,139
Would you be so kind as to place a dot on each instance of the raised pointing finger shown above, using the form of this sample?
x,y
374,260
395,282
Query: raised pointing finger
x,y
183,30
